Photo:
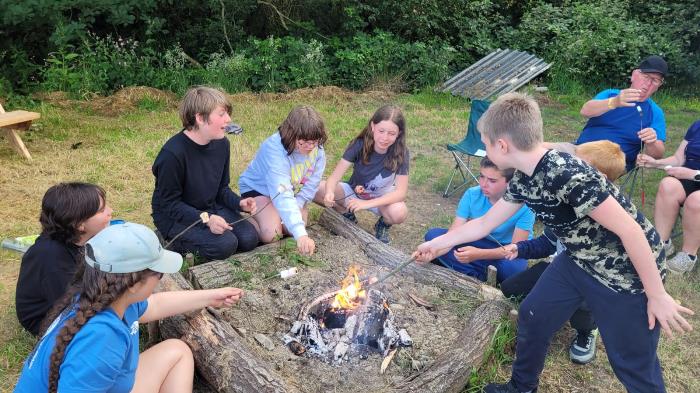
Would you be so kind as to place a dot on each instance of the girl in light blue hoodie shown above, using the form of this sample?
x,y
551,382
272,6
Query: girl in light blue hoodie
x,y
287,170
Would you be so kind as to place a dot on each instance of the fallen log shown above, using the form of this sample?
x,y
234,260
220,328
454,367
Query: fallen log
x,y
387,256
221,356
217,274
450,372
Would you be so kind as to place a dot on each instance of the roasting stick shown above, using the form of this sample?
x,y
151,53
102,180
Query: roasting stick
x,y
371,281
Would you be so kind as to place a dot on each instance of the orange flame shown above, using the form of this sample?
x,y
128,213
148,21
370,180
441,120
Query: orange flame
x,y
351,294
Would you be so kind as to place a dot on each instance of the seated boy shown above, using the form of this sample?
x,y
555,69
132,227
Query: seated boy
x,y
613,260
473,258
192,176
609,159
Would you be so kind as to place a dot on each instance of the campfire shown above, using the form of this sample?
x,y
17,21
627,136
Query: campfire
x,y
352,322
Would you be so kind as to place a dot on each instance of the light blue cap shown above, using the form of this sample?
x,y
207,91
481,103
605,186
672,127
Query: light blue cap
x,y
129,248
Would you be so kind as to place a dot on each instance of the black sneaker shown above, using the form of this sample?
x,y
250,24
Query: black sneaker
x,y
504,388
381,231
582,350
350,216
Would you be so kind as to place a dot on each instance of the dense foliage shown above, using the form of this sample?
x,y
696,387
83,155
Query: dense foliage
x,y
101,45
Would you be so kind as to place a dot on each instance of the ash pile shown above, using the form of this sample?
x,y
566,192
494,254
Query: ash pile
x,y
347,327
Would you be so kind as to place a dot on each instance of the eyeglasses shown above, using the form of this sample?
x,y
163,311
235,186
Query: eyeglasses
x,y
308,144
650,79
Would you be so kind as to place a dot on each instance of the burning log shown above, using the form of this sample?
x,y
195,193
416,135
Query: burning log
x,y
222,357
450,372
390,257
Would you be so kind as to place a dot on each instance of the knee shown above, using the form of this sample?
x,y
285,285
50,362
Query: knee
x,y
669,187
247,240
222,247
269,233
396,213
691,207
177,349
433,233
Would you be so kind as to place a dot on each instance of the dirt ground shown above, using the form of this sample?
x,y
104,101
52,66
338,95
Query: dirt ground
x,y
271,305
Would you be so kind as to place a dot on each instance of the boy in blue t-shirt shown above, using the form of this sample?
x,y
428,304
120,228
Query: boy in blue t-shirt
x,y
474,258
614,259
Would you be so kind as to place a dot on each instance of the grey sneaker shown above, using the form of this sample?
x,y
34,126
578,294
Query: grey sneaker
x,y
582,349
670,249
350,216
382,231
682,262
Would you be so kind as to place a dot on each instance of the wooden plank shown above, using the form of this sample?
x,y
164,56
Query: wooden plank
x,y
17,144
16,117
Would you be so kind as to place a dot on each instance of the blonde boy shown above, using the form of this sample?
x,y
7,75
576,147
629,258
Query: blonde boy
x,y
614,260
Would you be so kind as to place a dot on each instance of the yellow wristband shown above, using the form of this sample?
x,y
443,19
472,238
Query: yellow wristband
x,y
611,105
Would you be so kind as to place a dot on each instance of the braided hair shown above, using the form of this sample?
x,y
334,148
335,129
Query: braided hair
x,y
95,291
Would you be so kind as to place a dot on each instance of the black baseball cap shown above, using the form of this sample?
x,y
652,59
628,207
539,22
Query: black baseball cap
x,y
654,64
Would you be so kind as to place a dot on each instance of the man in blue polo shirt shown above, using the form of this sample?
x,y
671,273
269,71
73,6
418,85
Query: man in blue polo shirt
x,y
629,117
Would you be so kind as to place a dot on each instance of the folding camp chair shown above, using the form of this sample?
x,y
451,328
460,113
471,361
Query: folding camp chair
x,y
469,147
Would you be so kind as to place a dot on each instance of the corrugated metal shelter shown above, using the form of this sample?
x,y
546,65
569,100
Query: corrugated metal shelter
x,y
500,72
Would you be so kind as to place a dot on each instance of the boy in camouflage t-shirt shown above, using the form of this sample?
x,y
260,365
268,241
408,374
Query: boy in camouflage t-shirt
x,y
613,259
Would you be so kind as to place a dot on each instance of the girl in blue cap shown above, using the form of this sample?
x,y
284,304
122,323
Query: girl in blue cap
x,y
92,343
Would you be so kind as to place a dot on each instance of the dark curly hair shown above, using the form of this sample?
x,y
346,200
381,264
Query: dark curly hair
x,y
88,295
66,205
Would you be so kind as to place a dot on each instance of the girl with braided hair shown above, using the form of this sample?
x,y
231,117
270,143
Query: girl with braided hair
x,y
92,345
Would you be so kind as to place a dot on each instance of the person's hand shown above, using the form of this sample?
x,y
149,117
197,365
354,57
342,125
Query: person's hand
x,y
306,245
425,252
359,189
354,205
225,297
468,254
665,310
329,199
680,172
248,205
647,135
646,161
628,97
511,251
217,225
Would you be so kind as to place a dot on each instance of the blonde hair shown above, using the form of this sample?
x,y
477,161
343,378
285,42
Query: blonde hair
x,y
515,116
201,100
303,122
605,156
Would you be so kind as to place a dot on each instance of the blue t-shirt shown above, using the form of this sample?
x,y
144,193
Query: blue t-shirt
x,y
475,204
692,150
621,125
102,357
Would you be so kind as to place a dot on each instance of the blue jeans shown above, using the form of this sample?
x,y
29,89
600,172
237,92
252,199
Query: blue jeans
x,y
621,318
478,268
200,241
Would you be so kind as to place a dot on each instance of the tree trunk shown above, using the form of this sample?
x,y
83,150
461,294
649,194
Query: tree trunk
x,y
390,257
217,274
450,372
222,357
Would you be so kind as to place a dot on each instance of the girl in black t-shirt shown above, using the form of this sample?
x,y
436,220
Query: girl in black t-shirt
x,y
71,214
379,182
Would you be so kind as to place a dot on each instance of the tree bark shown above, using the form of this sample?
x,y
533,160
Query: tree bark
x,y
390,257
450,372
222,357
217,274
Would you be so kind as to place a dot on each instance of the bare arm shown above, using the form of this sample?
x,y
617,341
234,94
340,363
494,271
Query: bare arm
x,y
660,305
677,159
595,108
469,253
165,304
472,230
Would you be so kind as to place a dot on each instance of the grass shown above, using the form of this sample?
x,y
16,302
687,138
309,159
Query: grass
x,y
81,141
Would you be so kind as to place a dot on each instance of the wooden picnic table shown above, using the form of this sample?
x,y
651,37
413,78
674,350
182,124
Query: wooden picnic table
x,y
14,121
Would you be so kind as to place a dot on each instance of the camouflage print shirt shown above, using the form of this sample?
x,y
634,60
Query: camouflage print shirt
x,y
562,191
